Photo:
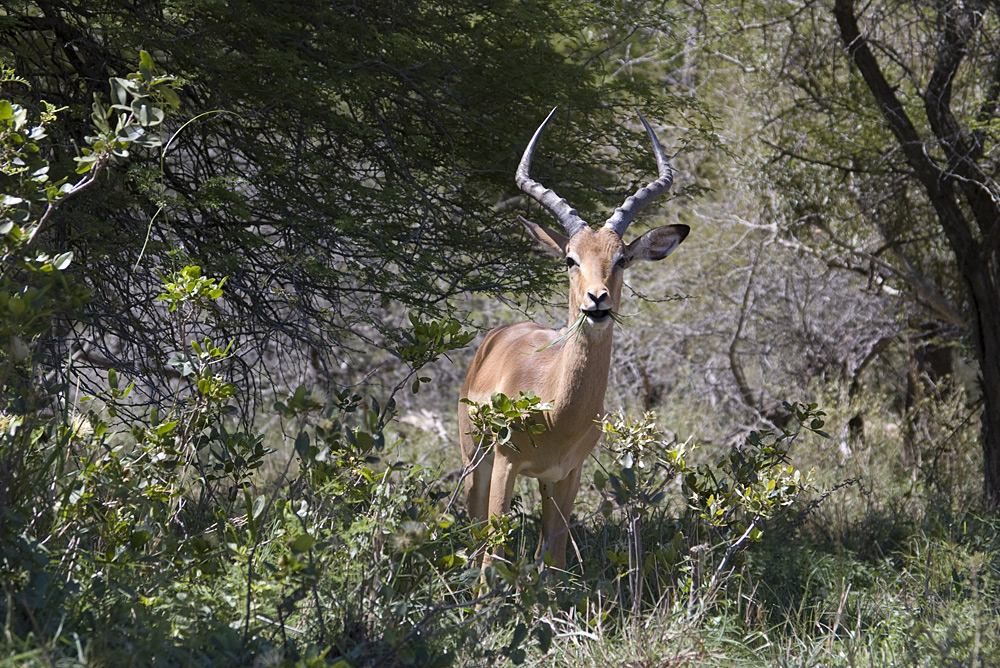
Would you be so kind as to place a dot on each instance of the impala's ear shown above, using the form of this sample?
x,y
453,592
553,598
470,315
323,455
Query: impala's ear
x,y
656,244
551,241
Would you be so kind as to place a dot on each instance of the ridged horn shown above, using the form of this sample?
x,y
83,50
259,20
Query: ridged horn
x,y
556,205
626,213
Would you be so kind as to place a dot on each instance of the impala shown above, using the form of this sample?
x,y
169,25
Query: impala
x,y
570,372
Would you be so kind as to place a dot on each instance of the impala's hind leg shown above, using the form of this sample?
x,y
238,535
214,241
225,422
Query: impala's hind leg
x,y
557,504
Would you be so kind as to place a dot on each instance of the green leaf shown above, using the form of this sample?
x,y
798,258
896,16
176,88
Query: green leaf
x,y
170,96
119,92
520,633
130,133
364,440
20,117
166,427
147,115
258,506
147,69
148,141
302,543
302,444
544,633
62,261
678,541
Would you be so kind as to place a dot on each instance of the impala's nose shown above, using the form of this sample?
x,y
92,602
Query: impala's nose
x,y
597,307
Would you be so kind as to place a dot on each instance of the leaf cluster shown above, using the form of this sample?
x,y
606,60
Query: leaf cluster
x,y
731,499
496,422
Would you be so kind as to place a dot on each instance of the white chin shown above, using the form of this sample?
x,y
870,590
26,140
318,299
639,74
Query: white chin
x,y
598,325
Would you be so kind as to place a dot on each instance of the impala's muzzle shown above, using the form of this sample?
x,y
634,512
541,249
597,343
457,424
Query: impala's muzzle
x,y
597,314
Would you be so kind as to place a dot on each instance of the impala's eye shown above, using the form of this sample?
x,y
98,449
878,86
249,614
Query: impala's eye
x,y
570,262
620,264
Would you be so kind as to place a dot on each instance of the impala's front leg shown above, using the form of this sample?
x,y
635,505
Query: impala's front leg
x,y
477,490
501,492
557,504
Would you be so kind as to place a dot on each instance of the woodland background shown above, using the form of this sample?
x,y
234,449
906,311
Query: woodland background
x,y
248,250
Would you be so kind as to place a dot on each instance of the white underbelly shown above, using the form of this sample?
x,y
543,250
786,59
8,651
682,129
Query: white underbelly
x,y
550,474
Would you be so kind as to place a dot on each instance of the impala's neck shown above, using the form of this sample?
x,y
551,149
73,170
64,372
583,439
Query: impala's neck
x,y
584,362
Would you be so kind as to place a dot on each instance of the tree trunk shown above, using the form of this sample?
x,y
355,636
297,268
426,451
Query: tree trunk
x,y
958,192
985,297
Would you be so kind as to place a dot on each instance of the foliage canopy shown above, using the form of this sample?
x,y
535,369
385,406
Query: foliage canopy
x,y
344,163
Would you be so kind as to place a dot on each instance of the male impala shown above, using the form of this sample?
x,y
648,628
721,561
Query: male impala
x,y
570,372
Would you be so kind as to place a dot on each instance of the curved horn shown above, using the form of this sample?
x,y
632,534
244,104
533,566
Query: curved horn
x,y
557,206
626,213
